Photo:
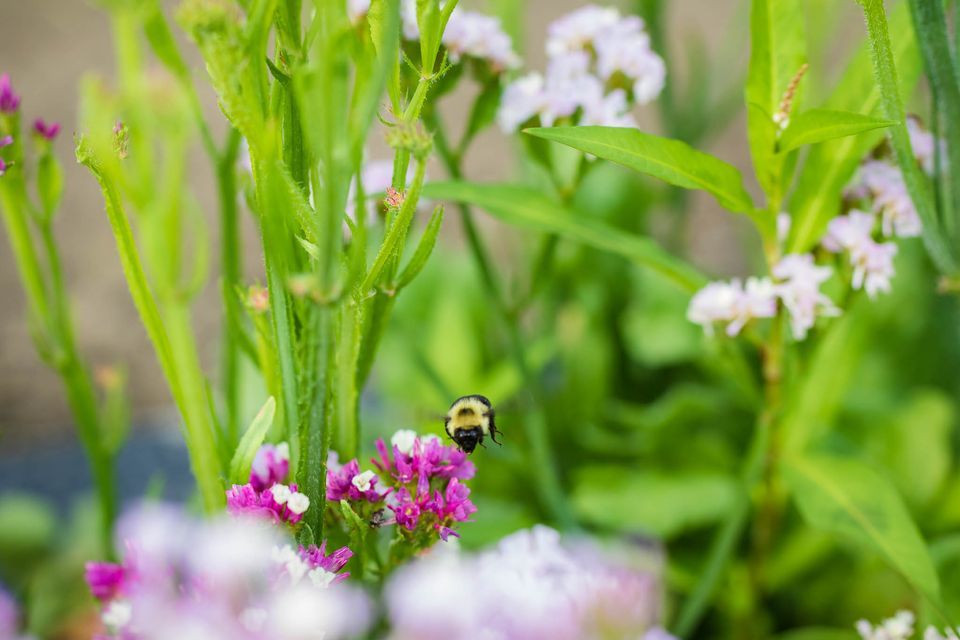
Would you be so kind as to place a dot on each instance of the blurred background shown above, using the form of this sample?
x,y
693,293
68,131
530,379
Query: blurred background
x,y
48,46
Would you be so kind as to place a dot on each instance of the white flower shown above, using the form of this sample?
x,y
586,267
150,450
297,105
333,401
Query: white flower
x,y
610,110
733,303
281,493
522,99
579,29
934,634
925,146
252,618
476,35
294,566
298,503
468,33
357,10
362,481
873,266
800,291
569,86
321,578
846,233
403,440
625,48
884,183
899,627
784,221
117,614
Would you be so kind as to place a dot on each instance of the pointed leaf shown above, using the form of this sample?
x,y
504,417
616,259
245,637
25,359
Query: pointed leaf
x,y
424,248
670,160
846,497
820,125
529,208
250,442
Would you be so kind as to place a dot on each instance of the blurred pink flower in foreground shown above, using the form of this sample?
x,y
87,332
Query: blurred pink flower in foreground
x,y
529,587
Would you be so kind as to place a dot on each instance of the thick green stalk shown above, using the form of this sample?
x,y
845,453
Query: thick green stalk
x,y
892,106
231,268
203,456
930,23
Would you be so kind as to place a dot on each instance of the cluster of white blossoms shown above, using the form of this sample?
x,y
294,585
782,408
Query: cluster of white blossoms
x,y
469,34
796,284
599,65
865,235
900,627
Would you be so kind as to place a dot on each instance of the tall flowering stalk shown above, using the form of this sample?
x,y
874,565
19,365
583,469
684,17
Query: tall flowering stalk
x,y
98,410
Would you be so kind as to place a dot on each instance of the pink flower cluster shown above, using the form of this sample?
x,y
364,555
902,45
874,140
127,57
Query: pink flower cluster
x,y
235,578
420,481
10,106
266,495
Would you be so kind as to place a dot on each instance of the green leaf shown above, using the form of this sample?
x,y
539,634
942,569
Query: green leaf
x,y
672,161
820,125
777,51
250,442
49,183
530,208
606,496
918,185
830,165
424,248
845,497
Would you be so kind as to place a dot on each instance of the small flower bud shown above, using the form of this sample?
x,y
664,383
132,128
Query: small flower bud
x,y
9,101
394,199
44,130
121,135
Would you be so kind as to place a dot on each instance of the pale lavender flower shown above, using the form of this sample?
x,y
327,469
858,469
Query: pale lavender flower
x,y
225,578
873,266
9,615
799,289
784,222
271,465
932,633
9,100
925,146
884,183
847,233
569,85
555,592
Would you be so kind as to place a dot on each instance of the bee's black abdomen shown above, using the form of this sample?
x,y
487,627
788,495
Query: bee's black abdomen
x,y
468,439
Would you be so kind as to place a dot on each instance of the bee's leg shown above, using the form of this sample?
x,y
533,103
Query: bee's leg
x,y
493,435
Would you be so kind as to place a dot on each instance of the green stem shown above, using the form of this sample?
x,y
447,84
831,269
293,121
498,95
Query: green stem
x,y
81,395
203,456
545,470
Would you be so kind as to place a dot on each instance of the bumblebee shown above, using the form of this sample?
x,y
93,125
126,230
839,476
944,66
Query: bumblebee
x,y
469,419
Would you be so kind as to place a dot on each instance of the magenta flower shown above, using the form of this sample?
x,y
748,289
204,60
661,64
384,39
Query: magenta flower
x,y
317,558
346,482
407,509
270,466
105,579
9,101
279,503
48,131
426,458
5,141
454,505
